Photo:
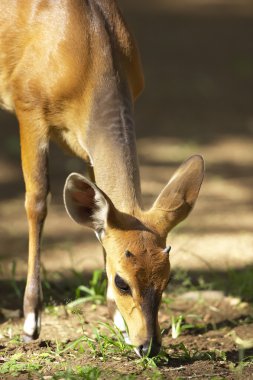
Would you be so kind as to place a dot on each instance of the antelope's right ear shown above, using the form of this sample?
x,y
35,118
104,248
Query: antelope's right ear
x,y
179,196
85,203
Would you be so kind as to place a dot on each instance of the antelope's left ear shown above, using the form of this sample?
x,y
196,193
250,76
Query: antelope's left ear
x,y
178,197
85,203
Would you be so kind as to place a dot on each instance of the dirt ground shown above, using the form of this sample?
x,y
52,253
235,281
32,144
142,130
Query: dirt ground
x,y
209,350
198,64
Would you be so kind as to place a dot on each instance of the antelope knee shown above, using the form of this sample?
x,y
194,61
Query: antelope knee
x,y
36,206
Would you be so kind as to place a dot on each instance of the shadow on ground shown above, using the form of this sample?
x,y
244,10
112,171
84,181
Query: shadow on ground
x,y
59,288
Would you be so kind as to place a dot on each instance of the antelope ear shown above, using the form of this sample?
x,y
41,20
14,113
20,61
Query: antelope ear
x,y
85,203
179,195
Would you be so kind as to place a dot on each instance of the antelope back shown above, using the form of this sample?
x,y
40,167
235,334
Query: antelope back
x,y
53,55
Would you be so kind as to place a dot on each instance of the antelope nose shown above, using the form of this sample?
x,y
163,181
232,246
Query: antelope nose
x,y
149,349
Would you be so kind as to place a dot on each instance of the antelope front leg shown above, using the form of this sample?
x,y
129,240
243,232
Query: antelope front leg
x,y
34,145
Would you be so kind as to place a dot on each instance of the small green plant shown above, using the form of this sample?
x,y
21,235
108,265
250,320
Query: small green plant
x,y
178,325
161,359
117,339
237,368
100,345
52,310
105,345
78,373
167,300
180,351
95,293
16,364
45,281
182,282
238,283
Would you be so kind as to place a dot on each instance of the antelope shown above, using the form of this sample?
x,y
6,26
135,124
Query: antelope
x,y
70,70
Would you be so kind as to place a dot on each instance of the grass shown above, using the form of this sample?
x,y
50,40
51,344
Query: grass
x,y
238,283
17,364
13,280
181,352
86,372
94,293
234,282
182,282
105,342
178,325
106,347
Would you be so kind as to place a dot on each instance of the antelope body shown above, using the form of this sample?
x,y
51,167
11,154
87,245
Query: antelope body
x,y
70,70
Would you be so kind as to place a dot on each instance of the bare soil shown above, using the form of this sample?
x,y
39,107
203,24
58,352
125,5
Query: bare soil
x,y
214,352
198,64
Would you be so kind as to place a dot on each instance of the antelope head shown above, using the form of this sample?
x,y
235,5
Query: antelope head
x,y
137,260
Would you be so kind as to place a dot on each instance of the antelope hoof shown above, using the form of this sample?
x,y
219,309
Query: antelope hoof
x,y
31,327
27,338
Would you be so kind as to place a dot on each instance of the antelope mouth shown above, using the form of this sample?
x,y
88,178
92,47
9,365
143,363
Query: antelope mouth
x,y
148,349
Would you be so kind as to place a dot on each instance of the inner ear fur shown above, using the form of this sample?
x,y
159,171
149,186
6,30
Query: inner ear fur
x,y
86,204
179,196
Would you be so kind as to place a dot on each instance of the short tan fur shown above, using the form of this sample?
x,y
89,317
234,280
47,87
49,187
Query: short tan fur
x,y
70,70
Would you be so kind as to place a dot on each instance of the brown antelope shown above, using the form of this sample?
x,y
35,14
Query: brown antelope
x,y
70,70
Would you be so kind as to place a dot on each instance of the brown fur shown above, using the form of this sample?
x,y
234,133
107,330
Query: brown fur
x,y
148,268
70,70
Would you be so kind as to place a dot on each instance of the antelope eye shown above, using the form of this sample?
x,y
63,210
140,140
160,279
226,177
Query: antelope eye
x,y
122,285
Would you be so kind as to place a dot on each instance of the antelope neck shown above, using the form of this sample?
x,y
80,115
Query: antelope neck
x,y
112,147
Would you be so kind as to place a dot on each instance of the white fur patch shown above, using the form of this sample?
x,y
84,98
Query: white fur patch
x,y
110,294
120,324
30,324
100,214
119,321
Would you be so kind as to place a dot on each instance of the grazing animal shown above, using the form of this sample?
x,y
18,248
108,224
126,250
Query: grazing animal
x,y
70,70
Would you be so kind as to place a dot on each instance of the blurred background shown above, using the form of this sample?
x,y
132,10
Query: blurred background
x,y
198,63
